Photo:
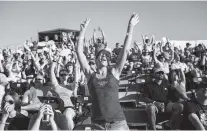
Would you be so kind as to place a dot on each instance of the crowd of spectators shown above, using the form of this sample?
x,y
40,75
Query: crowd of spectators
x,y
32,74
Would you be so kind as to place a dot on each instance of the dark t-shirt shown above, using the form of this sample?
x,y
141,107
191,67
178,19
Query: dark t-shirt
x,y
199,110
20,122
160,93
117,51
29,71
133,57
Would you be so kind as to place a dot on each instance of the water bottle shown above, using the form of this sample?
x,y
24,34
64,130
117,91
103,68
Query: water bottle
x,y
46,116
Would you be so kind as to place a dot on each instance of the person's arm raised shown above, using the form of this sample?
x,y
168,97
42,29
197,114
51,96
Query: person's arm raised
x,y
103,35
154,55
94,36
53,78
1,67
76,80
143,39
127,43
81,57
182,76
172,57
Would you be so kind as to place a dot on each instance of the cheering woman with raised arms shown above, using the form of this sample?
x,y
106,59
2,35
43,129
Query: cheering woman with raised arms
x,y
104,83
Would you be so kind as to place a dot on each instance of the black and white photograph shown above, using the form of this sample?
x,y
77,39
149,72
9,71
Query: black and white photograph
x,y
103,65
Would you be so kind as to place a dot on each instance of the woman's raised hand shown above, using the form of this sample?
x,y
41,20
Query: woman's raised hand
x,y
134,19
84,25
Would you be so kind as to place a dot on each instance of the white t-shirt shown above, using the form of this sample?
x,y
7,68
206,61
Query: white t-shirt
x,y
164,66
179,65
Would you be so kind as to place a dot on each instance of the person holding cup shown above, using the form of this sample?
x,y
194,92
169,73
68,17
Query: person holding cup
x,y
45,119
159,98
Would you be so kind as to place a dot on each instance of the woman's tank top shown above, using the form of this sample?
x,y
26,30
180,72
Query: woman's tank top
x,y
105,99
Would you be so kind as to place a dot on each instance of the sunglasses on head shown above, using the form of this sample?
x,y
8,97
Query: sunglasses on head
x,y
10,102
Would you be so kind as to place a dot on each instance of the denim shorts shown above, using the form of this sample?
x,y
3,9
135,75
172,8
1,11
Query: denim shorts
x,y
116,125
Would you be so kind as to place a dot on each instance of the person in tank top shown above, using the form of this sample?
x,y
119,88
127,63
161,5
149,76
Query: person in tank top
x,y
104,83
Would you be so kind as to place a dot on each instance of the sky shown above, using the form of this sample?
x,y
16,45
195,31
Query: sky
x,y
21,20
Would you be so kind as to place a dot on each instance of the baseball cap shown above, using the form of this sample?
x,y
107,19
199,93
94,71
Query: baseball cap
x,y
107,53
159,70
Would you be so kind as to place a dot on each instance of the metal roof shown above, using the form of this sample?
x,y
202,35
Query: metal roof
x,y
57,31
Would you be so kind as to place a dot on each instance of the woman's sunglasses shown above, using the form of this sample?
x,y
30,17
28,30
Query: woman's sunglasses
x,y
10,102
38,79
63,74
160,73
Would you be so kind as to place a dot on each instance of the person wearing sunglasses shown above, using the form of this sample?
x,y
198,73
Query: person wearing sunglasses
x,y
99,43
157,95
161,61
11,112
30,102
47,118
29,71
65,91
133,58
104,83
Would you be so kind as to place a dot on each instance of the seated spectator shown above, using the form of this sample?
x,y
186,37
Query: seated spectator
x,y
162,62
133,58
99,43
197,109
158,97
117,50
178,82
11,111
65,94
198,50
177,64
47,119
3,83
190,61
32,103
165,47
188,50
146,59
29,71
